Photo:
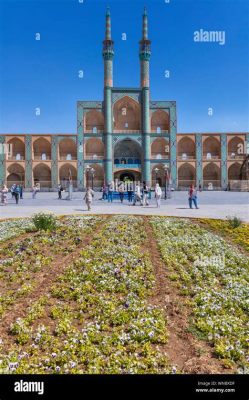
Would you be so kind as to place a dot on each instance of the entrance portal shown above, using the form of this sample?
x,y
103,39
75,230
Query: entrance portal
x,y
130,176
127,176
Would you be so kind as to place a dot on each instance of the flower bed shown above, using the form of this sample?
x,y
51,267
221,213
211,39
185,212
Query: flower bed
x,y
11,228
96,317
239,235
214,277
22,260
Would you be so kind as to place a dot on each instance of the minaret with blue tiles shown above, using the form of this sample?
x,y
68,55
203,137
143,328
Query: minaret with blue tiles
x,y
144,55
108,54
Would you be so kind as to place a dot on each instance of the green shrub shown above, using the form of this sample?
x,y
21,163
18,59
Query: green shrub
x,y
234,222
45,222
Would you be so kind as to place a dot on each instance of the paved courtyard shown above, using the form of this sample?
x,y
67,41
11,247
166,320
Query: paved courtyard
x,y
212,205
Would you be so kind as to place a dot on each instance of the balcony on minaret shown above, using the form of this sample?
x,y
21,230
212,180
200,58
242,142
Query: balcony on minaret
x,y
108,49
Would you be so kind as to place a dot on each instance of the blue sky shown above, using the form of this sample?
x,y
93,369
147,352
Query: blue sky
x,y
44,73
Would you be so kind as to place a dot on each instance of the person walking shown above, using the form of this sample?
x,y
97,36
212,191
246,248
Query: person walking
x,y
16,193
130,192
34,191
60,190
21,191
145,191
4,192
158,195
121,192
110,192
104,192
12,190
137,195
89,198
192,197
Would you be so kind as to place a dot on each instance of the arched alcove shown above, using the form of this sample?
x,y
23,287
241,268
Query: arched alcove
x,y
17,149
211,175
160,121
160,149
186,175
42,149
42,175
94,122
94,149
67,149
211,148
15,174
186,148
126,115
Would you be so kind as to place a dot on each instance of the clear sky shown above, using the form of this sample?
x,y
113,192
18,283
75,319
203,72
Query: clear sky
x,y
44,73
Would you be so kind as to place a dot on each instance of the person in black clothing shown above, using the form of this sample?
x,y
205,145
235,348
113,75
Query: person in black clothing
x,y
60,189
21,191
16,193
145,191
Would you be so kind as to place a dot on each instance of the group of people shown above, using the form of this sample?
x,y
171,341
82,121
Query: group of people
x,y
16,191
137,194
140,193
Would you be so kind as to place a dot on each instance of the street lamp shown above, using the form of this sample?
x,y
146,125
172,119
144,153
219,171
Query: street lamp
x,y
166,169
87,171
156,172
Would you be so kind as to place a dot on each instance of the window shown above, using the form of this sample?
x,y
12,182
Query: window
x,y
95,130
158,129
126,125
69,156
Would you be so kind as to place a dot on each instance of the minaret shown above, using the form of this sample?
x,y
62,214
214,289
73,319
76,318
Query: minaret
x,y
108,54
144,56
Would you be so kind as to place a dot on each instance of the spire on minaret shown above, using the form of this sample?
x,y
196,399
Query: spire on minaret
x,y
144,53
108,25
145,25
108,51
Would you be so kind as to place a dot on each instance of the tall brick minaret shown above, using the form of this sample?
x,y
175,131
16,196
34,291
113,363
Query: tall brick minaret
x,y
144,55
108,54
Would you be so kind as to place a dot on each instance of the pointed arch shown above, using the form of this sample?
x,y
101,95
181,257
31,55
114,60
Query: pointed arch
x,y
160,148
94,148
160,121
67,149
186,148
126,115
234,171
211,148
94,121
186,175
17,149
42,149
65,171
42,175
15,174
236,147
211,175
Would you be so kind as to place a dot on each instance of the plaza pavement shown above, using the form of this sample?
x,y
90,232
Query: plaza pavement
x,y
212,205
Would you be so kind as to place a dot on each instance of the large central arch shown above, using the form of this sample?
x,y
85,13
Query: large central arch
x,y
127,151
